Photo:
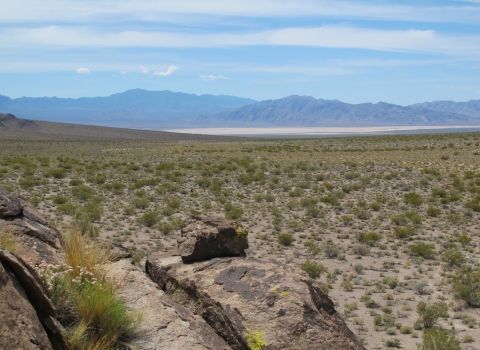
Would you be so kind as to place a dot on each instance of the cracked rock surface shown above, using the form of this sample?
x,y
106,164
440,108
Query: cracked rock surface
x,y
165,323
237,296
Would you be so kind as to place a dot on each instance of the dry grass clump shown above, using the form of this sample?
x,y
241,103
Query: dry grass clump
x,y
8,240
86,301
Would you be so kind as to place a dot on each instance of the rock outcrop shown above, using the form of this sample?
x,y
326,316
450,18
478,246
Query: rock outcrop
x,y
27,312
204,296
38,241
206,238
238,297
165,324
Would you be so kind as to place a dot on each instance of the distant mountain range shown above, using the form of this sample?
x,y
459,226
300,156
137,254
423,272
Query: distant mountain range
x,y
308,111
133,108
165,109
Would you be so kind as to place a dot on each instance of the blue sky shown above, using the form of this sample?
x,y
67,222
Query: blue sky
x,y
355,51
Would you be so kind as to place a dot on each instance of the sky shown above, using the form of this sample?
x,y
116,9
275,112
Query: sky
x,y
401,52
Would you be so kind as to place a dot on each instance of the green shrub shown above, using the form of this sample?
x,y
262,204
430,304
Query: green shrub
x,y
29,182
428,314
426,251
370,238
91,211
285,239
97,179
331,250
68,208
330,200
404,232
464,239
405,330
439,339
399,219
149,219
59,199
378,320
466,285
83,192
433,211
141,202
167,227
57,173
347,286
454,258
314,269
312,249
413,198
392,343
391,282
234,214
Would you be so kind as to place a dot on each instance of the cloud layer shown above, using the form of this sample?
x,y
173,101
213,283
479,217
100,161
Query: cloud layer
x,y
148,10
348,37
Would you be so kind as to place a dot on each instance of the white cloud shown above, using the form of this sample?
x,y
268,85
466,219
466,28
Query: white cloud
x,y
123,72
82,70
212,77
325,36
160,11
169,71
144,70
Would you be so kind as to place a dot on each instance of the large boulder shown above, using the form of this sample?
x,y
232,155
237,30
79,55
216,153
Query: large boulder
x,y
205,238
240,297
165,324
38,241
28,316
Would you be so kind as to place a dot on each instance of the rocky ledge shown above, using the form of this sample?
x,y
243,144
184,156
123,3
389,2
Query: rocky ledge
x,y
239,296
38,240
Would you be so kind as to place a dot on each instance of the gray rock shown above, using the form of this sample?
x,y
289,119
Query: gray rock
x,y
27,312
9,204
205,238
38,241
236,296
165,324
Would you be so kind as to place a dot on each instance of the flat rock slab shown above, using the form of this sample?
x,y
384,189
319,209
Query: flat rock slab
x,y
165,324
206,238
237,296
